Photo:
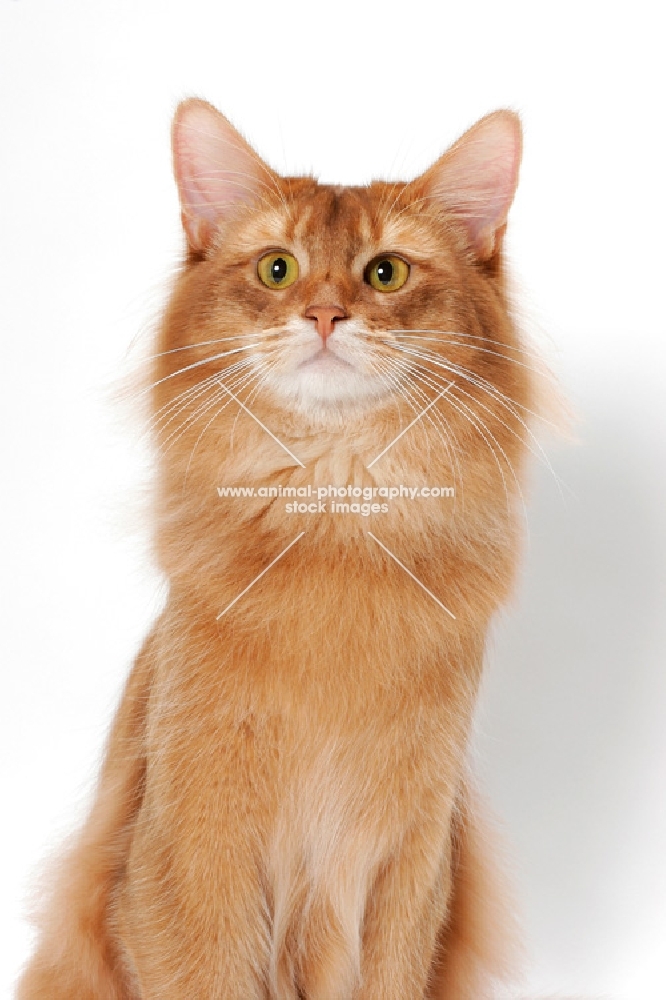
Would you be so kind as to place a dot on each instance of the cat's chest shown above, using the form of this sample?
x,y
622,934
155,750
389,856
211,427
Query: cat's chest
x,y
333,805
345,806
357,776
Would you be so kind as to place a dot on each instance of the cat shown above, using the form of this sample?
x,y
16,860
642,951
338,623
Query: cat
x,y
285,810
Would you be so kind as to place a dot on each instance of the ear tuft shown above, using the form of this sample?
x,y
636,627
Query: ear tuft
x,y
476,179
215,170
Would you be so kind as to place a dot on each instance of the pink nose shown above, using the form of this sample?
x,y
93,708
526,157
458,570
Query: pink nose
x,y
325,317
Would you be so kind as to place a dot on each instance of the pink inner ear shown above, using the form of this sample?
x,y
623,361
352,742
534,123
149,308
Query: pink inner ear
x,y
215,169
476,179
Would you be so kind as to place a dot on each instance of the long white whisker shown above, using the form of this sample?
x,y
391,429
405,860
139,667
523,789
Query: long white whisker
x,y
196,364
185,397
223,393
388,214
440,335
199,411
207,343
177,403
434,416
175,407
482,430
269,366
491,390
201,408
168,406
485,386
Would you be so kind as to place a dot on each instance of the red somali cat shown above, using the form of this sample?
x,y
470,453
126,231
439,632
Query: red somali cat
x,y
284,811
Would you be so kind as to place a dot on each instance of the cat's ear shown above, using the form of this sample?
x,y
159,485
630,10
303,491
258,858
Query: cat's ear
x,y
476,179
215,170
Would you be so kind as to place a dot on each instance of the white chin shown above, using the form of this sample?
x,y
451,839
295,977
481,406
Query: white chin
x,y
311,386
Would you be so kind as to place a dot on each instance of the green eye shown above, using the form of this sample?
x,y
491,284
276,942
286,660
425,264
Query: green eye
x,y
387,274
278,270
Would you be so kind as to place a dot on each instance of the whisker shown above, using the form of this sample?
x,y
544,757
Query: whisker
x,y
389,216
388,381
441,334
438,197
481,383
475,421
247,401
196,364
432,415
223,393
262,335
207,343
485,386
396,189
201,408
182,399
185,398
178,432
177,402
392,216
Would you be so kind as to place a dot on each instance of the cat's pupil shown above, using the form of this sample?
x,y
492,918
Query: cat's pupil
x,y
385,272
279,270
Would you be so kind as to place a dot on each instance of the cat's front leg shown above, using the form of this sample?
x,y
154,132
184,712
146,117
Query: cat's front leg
x,y
198,934
406,909
192,913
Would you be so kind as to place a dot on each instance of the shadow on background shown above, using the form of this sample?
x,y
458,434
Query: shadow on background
x,y
572,712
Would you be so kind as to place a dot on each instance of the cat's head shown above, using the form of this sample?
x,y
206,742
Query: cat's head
x,y
328,300
338,335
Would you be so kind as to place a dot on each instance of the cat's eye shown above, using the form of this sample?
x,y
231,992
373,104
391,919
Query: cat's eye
x,y
277,269
387,274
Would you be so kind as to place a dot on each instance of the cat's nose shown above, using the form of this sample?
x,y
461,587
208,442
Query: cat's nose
x,y
325,317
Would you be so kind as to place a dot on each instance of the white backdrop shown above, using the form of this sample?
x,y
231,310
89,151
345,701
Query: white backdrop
x,y
572,733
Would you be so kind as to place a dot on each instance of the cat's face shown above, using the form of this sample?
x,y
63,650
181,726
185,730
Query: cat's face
x,y
332,300
332,284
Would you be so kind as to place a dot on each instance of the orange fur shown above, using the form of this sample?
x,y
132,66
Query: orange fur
x,y
284,811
